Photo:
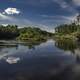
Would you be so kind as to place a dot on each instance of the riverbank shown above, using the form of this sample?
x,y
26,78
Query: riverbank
x,y
71,36
68,31
32,34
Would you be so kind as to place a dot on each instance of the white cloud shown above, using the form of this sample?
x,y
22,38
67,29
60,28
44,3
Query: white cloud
x,y
4,24
62,3
4,17
65,5
11,11
76,2
58,19
44,27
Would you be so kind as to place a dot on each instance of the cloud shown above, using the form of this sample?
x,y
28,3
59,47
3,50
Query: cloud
x,y
54,17
46,28
76,2
43,27
62,3
11,11
47,21
5,17
58,19
42,3
38,3
4,24
67,5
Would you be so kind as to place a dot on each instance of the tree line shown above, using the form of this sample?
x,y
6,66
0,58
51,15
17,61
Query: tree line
x,y
36,34
8,32
67,28
26,33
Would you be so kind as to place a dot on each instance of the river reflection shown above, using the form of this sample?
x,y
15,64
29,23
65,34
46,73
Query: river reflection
x,y
69,46
40,61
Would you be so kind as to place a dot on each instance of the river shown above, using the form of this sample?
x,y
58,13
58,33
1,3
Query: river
x,y
50,60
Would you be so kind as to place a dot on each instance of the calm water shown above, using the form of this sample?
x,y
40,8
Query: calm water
x,y
50,60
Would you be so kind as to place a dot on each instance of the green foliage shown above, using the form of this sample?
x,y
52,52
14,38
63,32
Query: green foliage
x,y
8,32
67,28
26,33
67,45
33,34
68,31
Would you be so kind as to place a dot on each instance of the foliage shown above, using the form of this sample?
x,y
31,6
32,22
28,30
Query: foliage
x,y
8,32
31,34
68,31
67,45
26,33
67,28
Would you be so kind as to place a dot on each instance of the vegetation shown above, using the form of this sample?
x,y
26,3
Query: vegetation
x,y
27,33
69,31
67,45
33,34
8,32
67,28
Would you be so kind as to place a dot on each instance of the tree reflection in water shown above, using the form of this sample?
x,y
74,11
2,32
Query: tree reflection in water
x,y
69,45
31,45
66,45
49,67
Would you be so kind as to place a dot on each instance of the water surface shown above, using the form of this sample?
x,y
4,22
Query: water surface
x,y
50,60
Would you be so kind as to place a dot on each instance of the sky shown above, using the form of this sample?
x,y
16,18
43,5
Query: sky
x,y
45,14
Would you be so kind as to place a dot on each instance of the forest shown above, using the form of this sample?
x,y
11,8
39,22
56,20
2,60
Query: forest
x,y
26,33
8,32
68,31
67,28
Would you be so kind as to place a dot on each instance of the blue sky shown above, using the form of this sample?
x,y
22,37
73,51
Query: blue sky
x,y
45,14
